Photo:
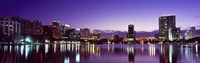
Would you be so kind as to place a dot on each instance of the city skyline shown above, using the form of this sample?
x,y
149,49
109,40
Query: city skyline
x,y
104,15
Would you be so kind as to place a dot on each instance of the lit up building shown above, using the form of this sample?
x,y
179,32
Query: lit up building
x,y
166,23
10,27
47,31
85,33
96,35
27,27
74,34
174,34
56,29
190,33
131,33
64,29
116,39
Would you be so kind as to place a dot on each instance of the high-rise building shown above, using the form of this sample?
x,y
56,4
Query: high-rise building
x,y
74,34
10,27
28,27
174,34
56,29
64,29
166,23
131,33
47,31
96,35
85,33
190,33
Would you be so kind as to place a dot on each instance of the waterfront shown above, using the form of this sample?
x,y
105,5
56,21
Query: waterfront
x,y
102,53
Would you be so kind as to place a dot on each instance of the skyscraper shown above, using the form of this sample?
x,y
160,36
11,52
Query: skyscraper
x,y
96,35
85,33
56,29
74,34
165,23
174,34
64,29
131,32
190,33
27,27
47,31
10,27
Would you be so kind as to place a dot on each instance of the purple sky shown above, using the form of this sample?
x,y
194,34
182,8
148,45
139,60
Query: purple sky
x,y
105,14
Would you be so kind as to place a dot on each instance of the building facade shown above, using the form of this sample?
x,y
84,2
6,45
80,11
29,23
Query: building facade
x,y
27,27
131,33
74,34
56,29
96,35
174,34
64,29
190,33
85,33
47,31
10,27
166,23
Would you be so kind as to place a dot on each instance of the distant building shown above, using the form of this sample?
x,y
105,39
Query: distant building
x,y
131,33
56,29
156,36
47,31
28,27
85,33
96,35
166,23
174,34
190,33
115,37
74,34
10,27
64,29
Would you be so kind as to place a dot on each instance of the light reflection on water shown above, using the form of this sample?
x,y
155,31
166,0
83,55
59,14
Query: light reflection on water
x,y
105,53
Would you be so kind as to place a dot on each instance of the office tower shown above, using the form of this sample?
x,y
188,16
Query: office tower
x,y
190,33
165,23
56,29
74,34
64,29
10,27
174,34
36,27
28,27
85,33
116,39
96,35
131,33
47,31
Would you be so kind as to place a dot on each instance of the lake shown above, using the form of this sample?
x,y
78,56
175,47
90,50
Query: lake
x,y
100,53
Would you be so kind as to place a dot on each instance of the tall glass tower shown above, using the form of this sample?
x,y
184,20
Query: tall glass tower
x,y
165,23
131,32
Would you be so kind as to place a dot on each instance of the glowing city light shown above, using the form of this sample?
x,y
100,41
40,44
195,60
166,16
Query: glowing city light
x,y
67,60
77,57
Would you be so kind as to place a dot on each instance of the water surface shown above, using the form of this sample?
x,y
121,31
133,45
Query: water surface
x,y
104,53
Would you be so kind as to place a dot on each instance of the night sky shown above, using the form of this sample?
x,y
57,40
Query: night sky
x,y
105,14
